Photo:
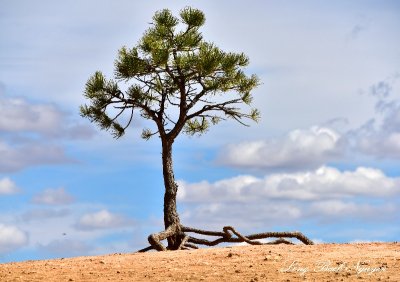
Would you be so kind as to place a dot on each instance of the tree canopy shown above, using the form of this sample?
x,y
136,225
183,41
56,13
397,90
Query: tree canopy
x,y
177,79
183,84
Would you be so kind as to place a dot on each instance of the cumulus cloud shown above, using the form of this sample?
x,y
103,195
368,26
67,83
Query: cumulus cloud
x,y
11,238
71,231
323,183
27,130
380,136
14,158
53,197
21,116
327,210
321,194
303,149
7,187
380,146
102,219
382,140
250,215
298,149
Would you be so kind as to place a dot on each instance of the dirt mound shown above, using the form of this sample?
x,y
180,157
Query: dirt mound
x,y
323,262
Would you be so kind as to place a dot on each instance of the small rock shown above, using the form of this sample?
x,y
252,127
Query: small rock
x,y
269,257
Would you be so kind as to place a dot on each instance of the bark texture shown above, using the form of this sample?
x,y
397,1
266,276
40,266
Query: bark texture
x,y
171,217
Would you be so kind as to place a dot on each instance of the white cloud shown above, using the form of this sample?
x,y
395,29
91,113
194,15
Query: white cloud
x,y
244,215
324,195
14,158
11,238
67,247
27,130
303,149
52,223
7,187
102,219
53,197
298,149
328,210
21,116
380,136
381,146
382,139
43,214
318,241
323,183
361,241
53,231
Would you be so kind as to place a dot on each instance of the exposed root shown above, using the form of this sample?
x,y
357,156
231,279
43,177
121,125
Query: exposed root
x,y
183,245
156,238
228,235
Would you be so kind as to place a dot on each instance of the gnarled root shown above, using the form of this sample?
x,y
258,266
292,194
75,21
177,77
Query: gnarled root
x,y
228,235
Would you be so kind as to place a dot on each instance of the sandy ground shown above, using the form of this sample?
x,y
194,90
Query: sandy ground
x,y
323,262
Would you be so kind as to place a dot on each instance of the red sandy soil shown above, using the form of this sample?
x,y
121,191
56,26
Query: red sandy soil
x,y
322,262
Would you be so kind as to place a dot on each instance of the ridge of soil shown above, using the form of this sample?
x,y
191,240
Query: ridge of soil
x,y
321,262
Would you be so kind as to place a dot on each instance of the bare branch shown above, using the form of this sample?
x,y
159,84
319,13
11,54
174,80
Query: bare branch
x,y
122,110
220,107
169,119
130,119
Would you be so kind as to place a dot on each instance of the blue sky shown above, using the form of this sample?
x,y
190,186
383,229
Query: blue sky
x,y
323,160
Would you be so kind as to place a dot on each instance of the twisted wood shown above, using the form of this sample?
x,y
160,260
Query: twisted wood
x,y
228,235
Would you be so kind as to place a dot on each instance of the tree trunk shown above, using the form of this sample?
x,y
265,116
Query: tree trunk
x,y
171,216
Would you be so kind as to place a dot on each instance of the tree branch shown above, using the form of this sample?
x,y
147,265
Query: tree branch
x,y
215,107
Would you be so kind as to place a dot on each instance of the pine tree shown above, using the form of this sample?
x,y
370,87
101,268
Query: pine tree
x,y
180,82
